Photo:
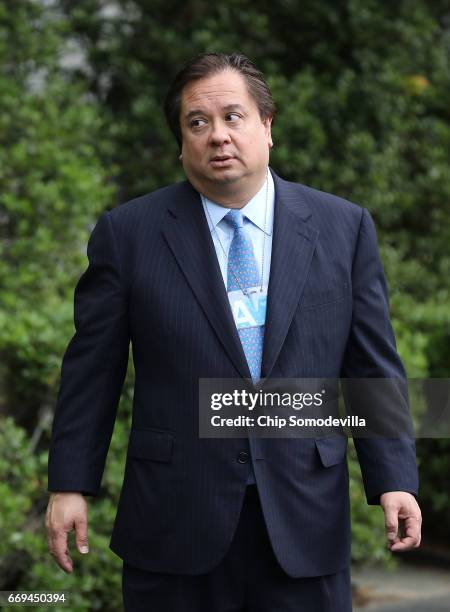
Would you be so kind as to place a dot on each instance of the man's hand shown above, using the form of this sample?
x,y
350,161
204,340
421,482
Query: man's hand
x,y
66,511
400,506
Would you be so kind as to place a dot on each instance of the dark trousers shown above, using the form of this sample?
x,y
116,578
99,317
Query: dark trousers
x,y
248,579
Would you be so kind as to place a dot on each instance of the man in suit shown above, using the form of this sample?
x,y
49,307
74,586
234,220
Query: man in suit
x,y
226,524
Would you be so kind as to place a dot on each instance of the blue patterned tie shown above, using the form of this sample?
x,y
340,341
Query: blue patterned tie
x,y
242,274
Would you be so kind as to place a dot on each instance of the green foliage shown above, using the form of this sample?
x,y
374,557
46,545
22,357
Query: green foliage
x,y
361,89
368,533
53,186
24,558
435,489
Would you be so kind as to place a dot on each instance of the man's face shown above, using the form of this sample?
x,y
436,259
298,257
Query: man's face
x,y
225,144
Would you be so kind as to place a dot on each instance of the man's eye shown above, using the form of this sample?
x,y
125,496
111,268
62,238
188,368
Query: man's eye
x,y
198,123
233,117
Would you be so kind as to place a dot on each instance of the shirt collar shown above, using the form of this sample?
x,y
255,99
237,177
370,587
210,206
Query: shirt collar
x,y
254,210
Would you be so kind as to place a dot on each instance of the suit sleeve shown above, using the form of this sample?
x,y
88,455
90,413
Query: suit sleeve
x,y
388,463
93,370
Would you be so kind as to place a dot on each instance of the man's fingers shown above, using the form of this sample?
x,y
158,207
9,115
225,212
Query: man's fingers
x,y
81,535
391,523
407,543
411,539
412,526
58,548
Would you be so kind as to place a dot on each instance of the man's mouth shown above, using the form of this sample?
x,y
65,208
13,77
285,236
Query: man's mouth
x,y
222,161
219,158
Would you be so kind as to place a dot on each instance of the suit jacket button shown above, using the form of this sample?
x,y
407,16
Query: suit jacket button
x,y
243,457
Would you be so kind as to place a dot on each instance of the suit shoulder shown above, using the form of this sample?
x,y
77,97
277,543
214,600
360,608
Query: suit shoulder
x,y
322,201
154,203
338,220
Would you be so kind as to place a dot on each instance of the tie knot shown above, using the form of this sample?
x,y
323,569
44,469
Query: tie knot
x,y
235,218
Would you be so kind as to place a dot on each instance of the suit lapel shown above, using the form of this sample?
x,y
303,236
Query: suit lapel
x,y
187,234
293,246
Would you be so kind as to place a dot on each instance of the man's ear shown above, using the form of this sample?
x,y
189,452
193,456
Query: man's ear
x,y
267,122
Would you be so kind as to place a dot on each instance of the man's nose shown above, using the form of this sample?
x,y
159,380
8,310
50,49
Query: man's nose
x,y
219,133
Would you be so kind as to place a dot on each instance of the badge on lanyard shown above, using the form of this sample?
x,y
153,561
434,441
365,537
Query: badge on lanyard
x,y
249,310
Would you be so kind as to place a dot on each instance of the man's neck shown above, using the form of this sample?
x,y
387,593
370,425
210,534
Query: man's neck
x,y
228,198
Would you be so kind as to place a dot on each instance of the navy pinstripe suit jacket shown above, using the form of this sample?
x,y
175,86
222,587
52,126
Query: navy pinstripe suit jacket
x,y
153,278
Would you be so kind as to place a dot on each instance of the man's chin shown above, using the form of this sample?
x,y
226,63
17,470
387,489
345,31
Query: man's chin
x,y
225,176
212,181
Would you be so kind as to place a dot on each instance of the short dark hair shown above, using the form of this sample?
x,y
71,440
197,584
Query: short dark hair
x,y
207,64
